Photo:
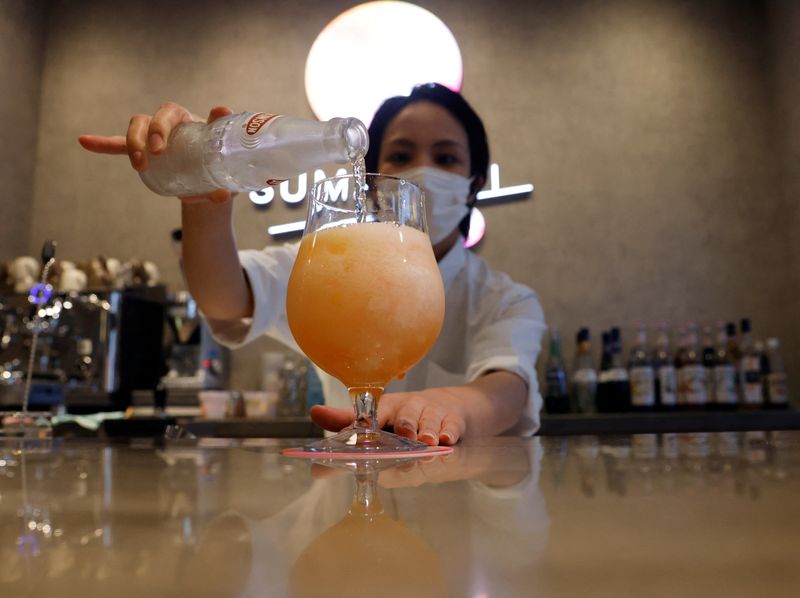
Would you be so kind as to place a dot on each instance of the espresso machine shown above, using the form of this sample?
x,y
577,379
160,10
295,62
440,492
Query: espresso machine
x,y
94,349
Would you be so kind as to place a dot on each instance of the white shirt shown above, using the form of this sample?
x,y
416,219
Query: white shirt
x,y
490,323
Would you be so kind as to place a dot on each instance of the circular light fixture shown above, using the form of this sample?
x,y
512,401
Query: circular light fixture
x,y
377,50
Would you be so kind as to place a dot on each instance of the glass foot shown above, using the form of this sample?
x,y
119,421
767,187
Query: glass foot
x,y
366,445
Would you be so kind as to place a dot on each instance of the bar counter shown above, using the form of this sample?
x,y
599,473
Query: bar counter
x,y
704,514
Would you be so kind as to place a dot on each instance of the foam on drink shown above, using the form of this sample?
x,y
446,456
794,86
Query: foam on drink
x,y
365,301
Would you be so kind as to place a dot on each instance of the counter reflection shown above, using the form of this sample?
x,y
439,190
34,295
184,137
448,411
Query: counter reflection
x,y
221,518
207,520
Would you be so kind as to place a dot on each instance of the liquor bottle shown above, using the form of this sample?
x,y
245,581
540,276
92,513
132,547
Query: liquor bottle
x,y
735,355
556,398
725,394
584,377
640,372
249,151
619,382
709,358
750,370
665,385
777,389
692,372
603,399
680,353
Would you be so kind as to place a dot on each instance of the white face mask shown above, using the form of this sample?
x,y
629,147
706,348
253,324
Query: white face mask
x,y
445,198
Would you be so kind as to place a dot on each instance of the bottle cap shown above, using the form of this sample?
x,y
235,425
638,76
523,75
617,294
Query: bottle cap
x,y
730,329
773,343
583,335
745,325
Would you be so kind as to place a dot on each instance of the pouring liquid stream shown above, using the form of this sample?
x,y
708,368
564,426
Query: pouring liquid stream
x,y
359,174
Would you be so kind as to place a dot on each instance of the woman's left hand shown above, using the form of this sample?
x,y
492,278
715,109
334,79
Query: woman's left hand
x,y
433,416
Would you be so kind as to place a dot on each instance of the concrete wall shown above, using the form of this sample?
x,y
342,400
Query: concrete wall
x,y
648,128
21,54
785,29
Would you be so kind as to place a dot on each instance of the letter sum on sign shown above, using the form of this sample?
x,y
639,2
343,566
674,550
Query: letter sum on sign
x,y
261,199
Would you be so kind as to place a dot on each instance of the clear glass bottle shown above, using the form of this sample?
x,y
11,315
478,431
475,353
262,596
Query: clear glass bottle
x,y
249,151
735,355
640,372
584,376
750,369
665,383
692,372
725,394
556,398
777,388
680,353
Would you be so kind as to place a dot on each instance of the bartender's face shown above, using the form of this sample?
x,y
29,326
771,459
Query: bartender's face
x,y
424,134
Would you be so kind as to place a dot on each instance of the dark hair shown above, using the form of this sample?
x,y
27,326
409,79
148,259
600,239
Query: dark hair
x,y
451,101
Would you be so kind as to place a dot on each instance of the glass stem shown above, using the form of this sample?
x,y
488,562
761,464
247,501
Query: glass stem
x,y
366,500
365,401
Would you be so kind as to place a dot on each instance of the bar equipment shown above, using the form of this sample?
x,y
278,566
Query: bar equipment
x,y
194,360
91,349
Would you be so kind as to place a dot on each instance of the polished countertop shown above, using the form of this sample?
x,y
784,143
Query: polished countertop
x,y
672,515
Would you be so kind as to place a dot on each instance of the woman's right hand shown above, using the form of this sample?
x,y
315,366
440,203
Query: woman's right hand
x,y
148,135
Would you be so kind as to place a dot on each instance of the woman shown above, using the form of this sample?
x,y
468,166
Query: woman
x,y
480,377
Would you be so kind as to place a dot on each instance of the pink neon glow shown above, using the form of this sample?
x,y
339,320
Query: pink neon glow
x,y
477,228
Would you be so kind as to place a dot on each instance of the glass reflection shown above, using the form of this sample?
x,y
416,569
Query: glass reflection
x,y
447,526
220,519
366,548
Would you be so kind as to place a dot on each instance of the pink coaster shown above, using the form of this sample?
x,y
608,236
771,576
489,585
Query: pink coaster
x,y
430,451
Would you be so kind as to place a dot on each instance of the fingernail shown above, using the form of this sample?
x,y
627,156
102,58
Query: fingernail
x,y
427,438
447,439
155,142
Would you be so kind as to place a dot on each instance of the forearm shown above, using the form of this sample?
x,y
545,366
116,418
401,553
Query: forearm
x,y
493,403
211,264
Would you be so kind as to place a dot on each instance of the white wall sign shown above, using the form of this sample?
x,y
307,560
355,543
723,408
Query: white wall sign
x,y
361,45
294,191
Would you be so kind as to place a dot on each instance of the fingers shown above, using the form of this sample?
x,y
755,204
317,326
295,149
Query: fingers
x,y
162,123
136,139
218,112
100,144
331,418
422,417
451,430
406,418
430,422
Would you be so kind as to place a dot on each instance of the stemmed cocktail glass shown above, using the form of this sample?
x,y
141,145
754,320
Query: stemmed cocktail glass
x,y
365,299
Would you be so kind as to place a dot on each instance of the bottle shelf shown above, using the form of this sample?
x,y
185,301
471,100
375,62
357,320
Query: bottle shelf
x,y
662,422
